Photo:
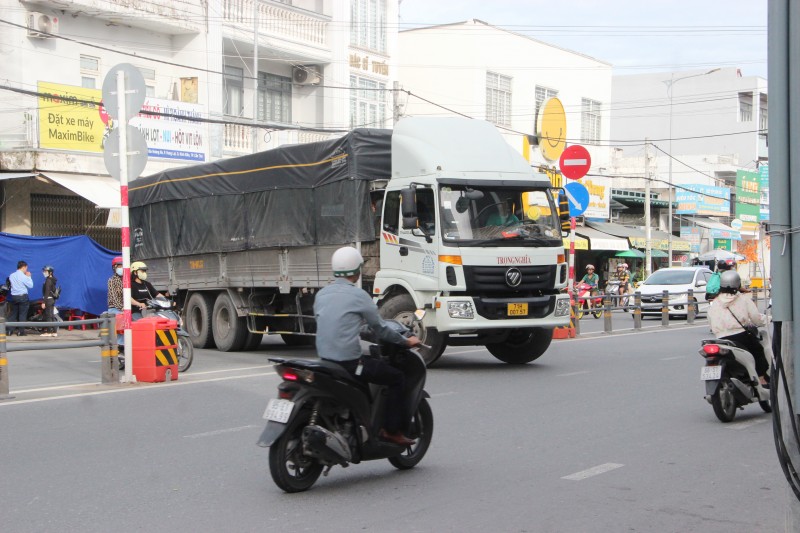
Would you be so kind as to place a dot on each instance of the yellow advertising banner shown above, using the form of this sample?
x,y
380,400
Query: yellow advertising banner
x,y
68,120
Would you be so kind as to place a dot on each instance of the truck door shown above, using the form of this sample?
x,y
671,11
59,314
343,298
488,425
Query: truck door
x,y
417,254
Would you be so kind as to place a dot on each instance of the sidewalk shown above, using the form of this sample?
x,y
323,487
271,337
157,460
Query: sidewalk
x,y
64,335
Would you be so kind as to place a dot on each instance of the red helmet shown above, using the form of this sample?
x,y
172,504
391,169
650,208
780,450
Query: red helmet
x,y
116,261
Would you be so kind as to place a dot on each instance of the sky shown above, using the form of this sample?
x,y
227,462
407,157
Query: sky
x,y
635,36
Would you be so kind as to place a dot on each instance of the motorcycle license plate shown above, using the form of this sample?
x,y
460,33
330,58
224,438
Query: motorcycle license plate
x,y
710,372
278,410
518,309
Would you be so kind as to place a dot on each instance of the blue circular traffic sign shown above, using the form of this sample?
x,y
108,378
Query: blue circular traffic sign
x,y
578,197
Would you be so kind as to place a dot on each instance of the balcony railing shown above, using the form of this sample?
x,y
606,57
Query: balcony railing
x,y
278,20
238,139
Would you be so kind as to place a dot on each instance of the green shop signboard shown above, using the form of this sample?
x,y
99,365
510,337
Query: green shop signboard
x,y
748,199
722,244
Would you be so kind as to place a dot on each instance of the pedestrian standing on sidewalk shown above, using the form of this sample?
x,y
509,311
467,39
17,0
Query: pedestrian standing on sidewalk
x,y
115,298
20,283
49,300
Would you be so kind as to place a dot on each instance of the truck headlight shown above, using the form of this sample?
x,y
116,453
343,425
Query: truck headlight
x,y
562,307
460,310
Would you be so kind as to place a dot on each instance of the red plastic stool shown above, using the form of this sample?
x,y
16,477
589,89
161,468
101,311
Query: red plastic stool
x,y
74,316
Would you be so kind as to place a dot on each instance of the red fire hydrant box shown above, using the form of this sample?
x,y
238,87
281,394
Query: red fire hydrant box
x,y
155,349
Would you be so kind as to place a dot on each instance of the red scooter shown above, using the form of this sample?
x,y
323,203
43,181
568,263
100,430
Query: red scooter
x,y
586,302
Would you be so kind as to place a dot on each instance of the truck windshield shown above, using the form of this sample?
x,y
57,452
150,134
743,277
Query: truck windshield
x,y
492,216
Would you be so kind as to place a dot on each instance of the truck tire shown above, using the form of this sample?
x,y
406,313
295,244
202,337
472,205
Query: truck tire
x,y
253,341
522,345
198,319
401,307
230,331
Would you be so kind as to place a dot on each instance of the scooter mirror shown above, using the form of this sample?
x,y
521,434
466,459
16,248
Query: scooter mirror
x,y
419,314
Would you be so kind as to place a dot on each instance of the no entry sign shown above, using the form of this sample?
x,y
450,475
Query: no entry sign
x,y
575,162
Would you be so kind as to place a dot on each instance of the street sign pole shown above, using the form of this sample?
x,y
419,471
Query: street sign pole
x,y
122,126
572,253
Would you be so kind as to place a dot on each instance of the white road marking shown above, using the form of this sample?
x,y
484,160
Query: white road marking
x,y
123,388
218,432
572,374
439,395
595,471
673,358
748,424
600,335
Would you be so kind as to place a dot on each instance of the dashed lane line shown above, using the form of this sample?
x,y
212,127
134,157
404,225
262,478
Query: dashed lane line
x,y
594,471
572,374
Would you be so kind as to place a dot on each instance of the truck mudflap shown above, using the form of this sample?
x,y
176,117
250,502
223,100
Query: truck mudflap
x,y
459,313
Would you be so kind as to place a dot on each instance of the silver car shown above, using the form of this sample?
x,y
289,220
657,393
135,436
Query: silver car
x,y
676,281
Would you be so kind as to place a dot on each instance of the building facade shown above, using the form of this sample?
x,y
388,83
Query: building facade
x,y
221,78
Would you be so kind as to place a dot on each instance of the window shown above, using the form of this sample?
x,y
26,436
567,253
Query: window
x,y
590,121
763,116
541,95
745,107
367,103
274,98
233,81
498,99
149,76
90,71
426,210
368,24
391,212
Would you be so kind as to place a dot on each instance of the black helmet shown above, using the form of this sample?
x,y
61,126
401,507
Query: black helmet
x,y
730,282
48,268
723,265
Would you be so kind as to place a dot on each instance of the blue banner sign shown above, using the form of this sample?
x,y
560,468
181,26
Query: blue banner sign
x,y
703,200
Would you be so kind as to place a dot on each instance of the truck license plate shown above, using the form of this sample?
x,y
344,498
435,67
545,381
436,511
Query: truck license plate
x,y
278,410
517,309
711,372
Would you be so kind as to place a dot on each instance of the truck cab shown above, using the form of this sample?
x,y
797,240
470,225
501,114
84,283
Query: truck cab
x,y
470,232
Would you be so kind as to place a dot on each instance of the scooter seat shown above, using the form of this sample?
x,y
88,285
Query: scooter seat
x,y
724,342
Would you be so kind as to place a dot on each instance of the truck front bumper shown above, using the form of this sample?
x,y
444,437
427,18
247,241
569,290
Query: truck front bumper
x,y
465,313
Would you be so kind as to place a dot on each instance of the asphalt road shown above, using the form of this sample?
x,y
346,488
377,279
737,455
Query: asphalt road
x,y
603,433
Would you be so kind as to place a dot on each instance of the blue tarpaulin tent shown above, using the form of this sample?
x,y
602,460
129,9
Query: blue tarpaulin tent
x,y
81,265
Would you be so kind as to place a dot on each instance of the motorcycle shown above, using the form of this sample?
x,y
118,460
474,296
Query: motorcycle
x,y
161,307
730,377
586,302
324,417
613,289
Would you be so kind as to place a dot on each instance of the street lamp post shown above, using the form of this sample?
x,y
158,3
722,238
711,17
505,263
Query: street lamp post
x,y
670,82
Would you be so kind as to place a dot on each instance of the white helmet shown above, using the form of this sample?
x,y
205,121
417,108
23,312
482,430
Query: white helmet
x,y
346,262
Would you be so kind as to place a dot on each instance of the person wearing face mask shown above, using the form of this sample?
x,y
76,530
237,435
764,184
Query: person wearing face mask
x,y
141,289
115,301
49,296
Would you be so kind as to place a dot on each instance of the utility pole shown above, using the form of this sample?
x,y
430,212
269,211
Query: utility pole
x,y
395,102
648,269
254,128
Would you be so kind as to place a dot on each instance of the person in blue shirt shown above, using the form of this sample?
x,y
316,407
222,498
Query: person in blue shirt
x,y
20,283
340,309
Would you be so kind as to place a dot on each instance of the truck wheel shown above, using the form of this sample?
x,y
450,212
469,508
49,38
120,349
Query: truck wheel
x,y
253,341
230,331
297,340
198,319
522,345
401,308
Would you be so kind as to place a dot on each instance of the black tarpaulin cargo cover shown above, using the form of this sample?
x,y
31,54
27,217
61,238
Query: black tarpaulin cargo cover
x,y
298,195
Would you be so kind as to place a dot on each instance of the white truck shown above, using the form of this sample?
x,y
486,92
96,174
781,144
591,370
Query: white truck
x,y
448,217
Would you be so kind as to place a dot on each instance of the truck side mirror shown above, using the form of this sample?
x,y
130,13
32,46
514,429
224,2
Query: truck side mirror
x,y
408,201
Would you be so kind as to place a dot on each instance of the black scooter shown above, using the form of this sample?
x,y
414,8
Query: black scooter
x,y
324,417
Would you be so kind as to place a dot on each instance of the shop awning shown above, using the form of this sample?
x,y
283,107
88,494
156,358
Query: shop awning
x,y
659,240
718,229
602,241
580,243
14,175
102,191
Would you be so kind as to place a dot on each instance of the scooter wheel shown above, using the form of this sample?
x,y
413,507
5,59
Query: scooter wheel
x,y
421,429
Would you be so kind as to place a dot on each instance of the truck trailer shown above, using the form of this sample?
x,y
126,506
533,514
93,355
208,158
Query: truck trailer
x,y
448,217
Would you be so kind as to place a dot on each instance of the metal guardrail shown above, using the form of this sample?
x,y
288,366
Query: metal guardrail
x,y
107,341
618,302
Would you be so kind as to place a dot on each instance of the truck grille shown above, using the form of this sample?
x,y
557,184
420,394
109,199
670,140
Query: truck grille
x,y
493,279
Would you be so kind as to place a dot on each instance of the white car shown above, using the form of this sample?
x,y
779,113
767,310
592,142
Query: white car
x,y
676,281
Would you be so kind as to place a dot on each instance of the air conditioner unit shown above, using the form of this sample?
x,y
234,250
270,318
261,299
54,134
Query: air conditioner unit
x,y
42,26
306,75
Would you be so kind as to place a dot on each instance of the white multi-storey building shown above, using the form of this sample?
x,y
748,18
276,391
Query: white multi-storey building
x,y
482,71
248,75
705,127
